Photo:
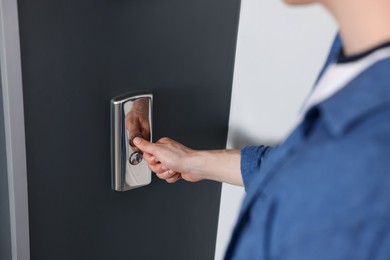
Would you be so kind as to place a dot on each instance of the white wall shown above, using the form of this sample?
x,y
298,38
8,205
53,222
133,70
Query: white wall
x,y
280,51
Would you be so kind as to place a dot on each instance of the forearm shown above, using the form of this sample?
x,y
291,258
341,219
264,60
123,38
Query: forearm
x,y
217,165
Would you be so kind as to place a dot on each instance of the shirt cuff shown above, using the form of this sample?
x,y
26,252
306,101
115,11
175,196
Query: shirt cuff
x,y
251,160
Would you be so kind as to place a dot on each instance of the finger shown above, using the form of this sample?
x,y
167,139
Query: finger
x,y
174,178
167,174
150,159
156,169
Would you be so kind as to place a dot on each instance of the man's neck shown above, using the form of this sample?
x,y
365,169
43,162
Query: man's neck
x,y
364,24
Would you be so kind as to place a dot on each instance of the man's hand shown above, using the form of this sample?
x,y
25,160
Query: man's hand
x,y
169,159
172,161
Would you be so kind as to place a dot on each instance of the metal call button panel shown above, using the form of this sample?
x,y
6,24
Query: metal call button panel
x,y
131,116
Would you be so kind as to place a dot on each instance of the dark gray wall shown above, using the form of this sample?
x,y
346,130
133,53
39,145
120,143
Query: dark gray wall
x,y
76,56
5,231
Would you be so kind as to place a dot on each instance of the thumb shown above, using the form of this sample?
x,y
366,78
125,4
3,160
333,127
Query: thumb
x,y
143,145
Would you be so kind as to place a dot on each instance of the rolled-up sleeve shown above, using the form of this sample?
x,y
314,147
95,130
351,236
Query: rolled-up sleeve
x,y
251,159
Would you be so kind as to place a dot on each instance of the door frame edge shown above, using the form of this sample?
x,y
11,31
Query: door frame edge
x,y
12,92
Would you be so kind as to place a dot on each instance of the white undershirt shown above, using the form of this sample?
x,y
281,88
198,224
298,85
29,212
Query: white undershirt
x,y
337,76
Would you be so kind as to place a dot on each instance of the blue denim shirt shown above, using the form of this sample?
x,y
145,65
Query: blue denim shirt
x,y
324,193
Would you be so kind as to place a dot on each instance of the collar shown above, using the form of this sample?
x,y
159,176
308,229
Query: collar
x,y
359,98
337,77
342,58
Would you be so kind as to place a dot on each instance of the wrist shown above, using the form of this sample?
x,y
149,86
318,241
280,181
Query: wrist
x,y
217,165
195,164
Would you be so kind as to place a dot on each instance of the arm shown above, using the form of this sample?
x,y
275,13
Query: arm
x,y
171,161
